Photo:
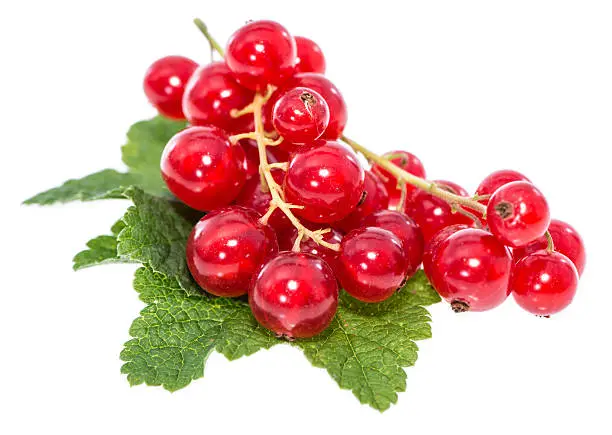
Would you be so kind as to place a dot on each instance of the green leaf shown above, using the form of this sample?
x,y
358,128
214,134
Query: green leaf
x,y
176,332
368,345
99,185
101,250
141,153
143,150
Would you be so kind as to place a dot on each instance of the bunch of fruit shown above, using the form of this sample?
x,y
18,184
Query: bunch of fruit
x,y
292,215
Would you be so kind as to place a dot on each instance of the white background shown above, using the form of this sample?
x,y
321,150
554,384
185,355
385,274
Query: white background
x,y
468,86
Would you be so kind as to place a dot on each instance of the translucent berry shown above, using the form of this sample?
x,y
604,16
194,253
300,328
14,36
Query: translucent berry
x,y
300,115
544,283
252,157
518,213
409,163
226,248
309,56
372,264
432,213
404,229
497,179
294,295
431,249
376,198
471,270
287,239
164,84
327,181
210,96
261,53
566,239
202,168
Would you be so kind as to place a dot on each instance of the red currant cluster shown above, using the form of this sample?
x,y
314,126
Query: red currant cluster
x,y
292,212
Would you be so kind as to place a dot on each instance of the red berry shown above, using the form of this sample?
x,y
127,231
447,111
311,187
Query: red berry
x,y
319,83
310,246
164,84
372,264
300,115
309,56
210,96
295,295
518,213
376,198
404,229
544,283
261,53
497,179
225,249
472,269
409,163
327,181
251,196
432,213
566,239
431,250
202,168
252,157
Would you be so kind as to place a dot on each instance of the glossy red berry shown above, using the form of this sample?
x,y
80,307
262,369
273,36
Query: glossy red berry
x,y
210,96
497,179
518,213
431,250
472,269
409,163
164,84
261,53
376,198
544,283
404,229
300,115
566,239
319,83
372,264
327,181
252,157
294,295
251,196
432,214
225,249
202,168
311,247
309,56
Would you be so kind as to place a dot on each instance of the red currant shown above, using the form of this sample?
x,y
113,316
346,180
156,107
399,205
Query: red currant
x,y
202,168
376,198
252,157
431,249
225,249
409,163
518,213
261,53
566,239
544,283
404,229
432,213
287,239
309,56
210,96
251,196
473,268
327,181
319,83
497,179
164,84
372,264
294,295
300,115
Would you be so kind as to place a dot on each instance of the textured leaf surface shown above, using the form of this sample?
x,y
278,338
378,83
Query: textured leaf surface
x,y
368,345
100,250
99,185
176,332
143,150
